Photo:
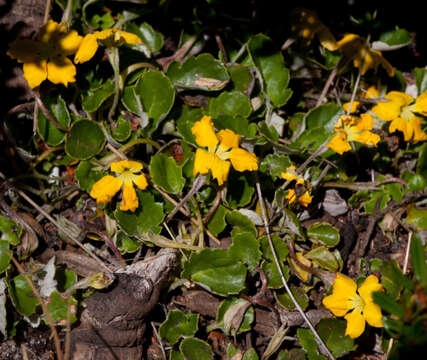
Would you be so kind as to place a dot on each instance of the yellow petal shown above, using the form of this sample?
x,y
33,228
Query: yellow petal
x,y
141,182
35,72
105,188
350,45
369,286
339,144
366,121
354,106
290,196
220,169
419,134
303,274
326,39
421,104
61,70
130,199
68,43
243,160
372,314
338,306
203,162
367,137
204,132
399,97
344,286
402,125
118,34
125,165
305,199
47,31
26,51
387,66
371,93
87,49
104,34
355,324
387,110
130,38
228,139
290,173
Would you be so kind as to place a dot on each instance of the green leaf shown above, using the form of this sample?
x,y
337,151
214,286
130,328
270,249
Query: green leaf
x,y
311,139
293,354
123,129
239,124
420,75
393,279
324,258
47,131
271,65
275,164
323,233
202,72
240,189
240,222
388,304
186,121
323,116
216,270
175,355
250,355
166,173
234,103
241,77
286,301
395,37
269,266
418,259
4,258
308,342
229,311
58,307
216,223
417,217
177,325
85,176
127,244
85,140
292,223
95,98
146,217
332,333
10,230
422,162
245,248
152,40
195,349
65,278
22,296
3,313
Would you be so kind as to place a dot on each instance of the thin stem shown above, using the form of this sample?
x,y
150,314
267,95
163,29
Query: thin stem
x,y
113,57
282,277
47,114
47,11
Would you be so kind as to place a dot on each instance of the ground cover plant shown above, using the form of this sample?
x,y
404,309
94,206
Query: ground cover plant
x,y
205,181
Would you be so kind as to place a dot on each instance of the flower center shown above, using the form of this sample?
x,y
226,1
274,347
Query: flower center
x,y
357,302
407,112
222,153
127,176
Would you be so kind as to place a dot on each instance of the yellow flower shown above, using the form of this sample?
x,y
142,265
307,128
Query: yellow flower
x,y
110,37
350,128
46,57
105,189
291,175
222,146
304,199
354,48
307,25
345,298
401,110
371,93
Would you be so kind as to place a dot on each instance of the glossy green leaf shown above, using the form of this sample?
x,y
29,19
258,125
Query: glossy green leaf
x,y
65,278
186,121
269,266
152,40
85,140
240,189
275,164
234,103
292,223
146,217
240,223
217,223
202,72
417,217
311,139
229,314
22,296
10,230
418,259
122,129
420,75
324,258
58,307
195,349
323,116
216,270
392,40
47,131
175,354
4,257
86,176
332,332
127,244
388,304
250,355
166,173
239,124
285,300
323,233
241,77
309,344
96,97
269,60
393,279
245,248
178,324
